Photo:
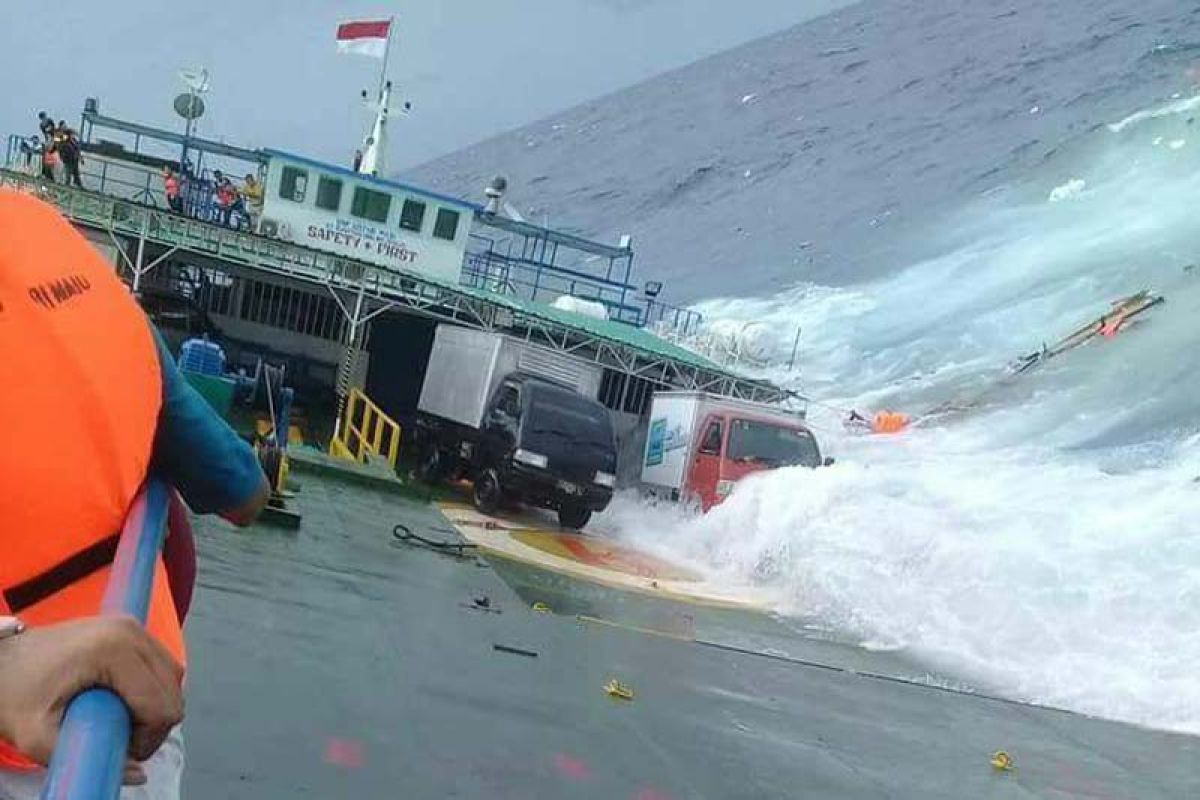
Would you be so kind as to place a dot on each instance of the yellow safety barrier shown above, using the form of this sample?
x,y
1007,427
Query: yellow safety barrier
x,y
363,430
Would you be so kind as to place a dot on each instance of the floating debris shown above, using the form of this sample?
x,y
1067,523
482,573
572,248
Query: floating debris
x,y
516,651
617,690
482,603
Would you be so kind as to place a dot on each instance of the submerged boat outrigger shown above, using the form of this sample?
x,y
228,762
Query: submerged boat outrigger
x,y
1107,325
1119,317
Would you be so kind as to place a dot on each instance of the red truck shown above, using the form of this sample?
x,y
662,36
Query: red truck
x,y
699,445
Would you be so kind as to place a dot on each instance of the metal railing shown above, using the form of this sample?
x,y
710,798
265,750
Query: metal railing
x,y
89,757
365,430
675,320
539,282
380,287
100,173
488,269
503,275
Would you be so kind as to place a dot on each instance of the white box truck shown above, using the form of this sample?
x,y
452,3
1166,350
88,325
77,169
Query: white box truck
x,y
699,445
521,421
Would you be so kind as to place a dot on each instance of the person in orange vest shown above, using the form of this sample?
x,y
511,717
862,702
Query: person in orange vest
x,y
889,422
93,404
50,161
882,422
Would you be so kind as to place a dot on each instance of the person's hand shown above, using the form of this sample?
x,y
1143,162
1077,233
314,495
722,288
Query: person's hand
x,y
42,669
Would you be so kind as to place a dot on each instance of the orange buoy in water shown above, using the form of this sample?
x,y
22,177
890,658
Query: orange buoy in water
x,y
889,422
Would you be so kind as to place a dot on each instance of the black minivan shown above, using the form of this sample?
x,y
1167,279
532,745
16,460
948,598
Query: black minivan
x,y
544,445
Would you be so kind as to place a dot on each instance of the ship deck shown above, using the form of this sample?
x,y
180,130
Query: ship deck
x,y
335,661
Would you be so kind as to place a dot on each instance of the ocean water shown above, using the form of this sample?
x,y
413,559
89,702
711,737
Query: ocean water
x,y
953,187
834,151
1043,543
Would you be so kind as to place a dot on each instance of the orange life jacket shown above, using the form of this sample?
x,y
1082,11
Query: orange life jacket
x,y
889,422
80,407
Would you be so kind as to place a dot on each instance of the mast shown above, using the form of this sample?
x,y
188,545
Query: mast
x,y
374,148
387,48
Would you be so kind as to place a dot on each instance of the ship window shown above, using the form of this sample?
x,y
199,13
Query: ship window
x,y
446,226
412,215
711,444
293,184
329,193
370,204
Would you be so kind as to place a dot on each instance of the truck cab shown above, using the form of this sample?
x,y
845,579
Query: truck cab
x,y
733,445
545,445
698,445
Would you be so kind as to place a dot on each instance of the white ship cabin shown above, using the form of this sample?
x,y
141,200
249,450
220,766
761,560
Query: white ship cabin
x,y
363,217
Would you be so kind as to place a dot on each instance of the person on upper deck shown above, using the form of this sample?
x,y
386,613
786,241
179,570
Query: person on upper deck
x,y
50,161
97,387
46,126
31,153
254,194
172,190
227,197
67,145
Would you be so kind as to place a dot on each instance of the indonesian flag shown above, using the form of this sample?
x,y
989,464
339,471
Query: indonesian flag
x,y
364,38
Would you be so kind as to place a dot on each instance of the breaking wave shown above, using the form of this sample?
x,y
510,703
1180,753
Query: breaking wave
x,y
1043,542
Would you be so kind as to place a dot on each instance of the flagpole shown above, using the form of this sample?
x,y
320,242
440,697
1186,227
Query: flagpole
x,y
386,50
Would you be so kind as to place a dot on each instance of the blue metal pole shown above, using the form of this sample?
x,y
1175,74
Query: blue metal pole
x,y
89,758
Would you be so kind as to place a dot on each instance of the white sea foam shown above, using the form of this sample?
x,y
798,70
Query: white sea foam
x,y
1045,544
1180,106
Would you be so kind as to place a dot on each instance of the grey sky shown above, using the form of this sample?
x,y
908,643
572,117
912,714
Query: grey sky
x,y
472,68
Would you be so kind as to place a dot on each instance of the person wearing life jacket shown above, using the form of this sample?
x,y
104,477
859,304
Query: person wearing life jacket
x,y
94,404
171,190
50,161
889,422
881,422
1112,324
227,196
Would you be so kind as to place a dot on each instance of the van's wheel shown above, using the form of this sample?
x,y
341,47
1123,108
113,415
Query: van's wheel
x,y
430,469
486,493
573,515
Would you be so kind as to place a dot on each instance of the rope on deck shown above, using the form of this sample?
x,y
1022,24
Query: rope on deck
x,y
403,533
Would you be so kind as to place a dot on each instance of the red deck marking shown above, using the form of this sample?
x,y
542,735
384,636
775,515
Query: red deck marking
x,y
601,555
581,551
344,753
573,768
648,793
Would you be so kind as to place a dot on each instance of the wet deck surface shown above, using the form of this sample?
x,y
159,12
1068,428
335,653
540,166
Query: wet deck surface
x,y
335,662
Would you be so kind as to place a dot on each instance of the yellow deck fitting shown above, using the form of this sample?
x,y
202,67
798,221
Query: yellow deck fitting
x,y
1001,761
541,607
